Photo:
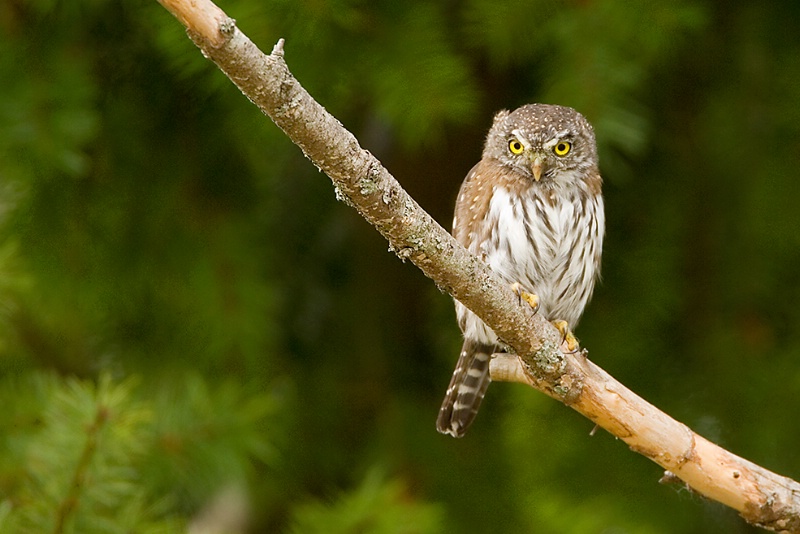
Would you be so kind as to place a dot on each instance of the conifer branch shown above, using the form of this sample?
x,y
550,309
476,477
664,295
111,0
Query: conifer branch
x,y
77,484
761,497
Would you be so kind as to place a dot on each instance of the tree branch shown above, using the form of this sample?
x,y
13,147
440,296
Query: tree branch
x,y
762,497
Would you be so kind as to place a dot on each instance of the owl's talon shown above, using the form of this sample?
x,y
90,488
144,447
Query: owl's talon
x,y
567,336
530,298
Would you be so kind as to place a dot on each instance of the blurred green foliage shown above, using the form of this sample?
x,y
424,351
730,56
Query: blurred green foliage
x,y
185,308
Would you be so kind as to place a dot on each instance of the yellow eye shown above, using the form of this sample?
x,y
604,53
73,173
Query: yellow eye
x,y
515,147
562,149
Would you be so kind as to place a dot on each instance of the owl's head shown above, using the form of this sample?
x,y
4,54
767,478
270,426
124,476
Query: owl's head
x,y
552,145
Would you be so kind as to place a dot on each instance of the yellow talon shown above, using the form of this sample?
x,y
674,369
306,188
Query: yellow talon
x,y
566,335
530,298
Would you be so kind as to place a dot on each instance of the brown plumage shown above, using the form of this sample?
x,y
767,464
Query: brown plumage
x,y
532,209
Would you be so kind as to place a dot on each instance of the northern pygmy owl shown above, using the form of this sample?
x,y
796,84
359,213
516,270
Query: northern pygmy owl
x,y
532,209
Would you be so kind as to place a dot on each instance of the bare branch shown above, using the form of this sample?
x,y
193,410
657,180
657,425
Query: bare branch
x,y
763,498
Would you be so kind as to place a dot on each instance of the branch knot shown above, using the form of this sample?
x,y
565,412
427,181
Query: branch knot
x,y
228,26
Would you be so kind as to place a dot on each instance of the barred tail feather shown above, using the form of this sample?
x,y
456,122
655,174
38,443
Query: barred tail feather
x,y
467,388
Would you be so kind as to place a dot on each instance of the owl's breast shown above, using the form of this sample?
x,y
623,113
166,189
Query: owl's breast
x,y
522,237
550,245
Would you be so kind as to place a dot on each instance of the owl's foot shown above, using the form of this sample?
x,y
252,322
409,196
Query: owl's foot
x,y
530,298
566,335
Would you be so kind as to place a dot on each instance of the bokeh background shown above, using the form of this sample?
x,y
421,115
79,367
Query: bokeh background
x,y
194,332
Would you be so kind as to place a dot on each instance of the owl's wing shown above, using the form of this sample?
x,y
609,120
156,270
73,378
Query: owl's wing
x,y
471,376
473,202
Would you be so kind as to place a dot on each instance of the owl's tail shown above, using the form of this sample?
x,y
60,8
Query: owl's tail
x,y
467,388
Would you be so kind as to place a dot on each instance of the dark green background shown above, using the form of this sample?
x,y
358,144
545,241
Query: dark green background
x,y
180,290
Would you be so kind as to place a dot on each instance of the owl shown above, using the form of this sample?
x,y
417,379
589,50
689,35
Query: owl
x,y
532,209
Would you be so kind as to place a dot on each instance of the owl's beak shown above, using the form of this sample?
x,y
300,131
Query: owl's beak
x,y
537,168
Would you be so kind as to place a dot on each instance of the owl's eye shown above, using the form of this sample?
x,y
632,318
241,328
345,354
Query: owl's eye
x,y
562,148
515,147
